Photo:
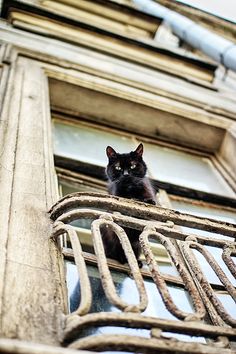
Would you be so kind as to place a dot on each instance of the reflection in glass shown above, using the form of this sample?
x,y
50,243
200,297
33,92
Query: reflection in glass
x,y
126,289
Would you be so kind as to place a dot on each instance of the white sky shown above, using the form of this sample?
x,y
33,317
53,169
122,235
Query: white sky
x,y
221,8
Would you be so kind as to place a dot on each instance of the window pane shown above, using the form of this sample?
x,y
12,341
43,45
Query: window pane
x,y
185,169
213,213
126,289
87,144
228,303
68,188
208,271
205,211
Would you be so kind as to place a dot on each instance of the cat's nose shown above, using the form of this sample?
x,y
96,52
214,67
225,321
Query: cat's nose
x,y
126,172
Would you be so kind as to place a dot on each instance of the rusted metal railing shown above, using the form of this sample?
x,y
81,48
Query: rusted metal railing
x,y
209,319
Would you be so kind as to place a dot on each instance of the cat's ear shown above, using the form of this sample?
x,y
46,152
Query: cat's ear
x,y
111,153
139,150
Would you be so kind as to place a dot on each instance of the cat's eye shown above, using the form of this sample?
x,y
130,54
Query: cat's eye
x,y
132,166
118,168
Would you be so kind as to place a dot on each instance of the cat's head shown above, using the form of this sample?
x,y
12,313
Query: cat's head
x,y
121,165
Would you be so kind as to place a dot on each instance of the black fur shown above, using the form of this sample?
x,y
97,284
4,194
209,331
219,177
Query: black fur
x,y
126,178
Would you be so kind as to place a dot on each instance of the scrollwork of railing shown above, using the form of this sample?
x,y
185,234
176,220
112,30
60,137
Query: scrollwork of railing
x,y
159,224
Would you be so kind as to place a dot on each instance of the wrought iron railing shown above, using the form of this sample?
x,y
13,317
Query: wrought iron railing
x,y
210,319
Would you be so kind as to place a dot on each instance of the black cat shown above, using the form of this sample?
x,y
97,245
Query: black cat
x,y
126,178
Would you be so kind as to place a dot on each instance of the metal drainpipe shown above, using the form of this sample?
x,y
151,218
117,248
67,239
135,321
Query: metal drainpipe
x,y
216,47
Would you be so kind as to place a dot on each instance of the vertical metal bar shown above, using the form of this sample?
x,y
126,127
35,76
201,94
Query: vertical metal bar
x,y
85,287
106,277
159,281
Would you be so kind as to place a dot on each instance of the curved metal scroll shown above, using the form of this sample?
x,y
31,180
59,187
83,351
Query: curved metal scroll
x,y
143,345
135,320
86,293
160,282
226,256
106,277
136,215
166,228
139,210
196,268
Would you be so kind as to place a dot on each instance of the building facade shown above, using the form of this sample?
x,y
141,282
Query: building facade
x,y
77,76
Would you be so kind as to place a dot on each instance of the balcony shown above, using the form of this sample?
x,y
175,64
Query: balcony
x,y
207,325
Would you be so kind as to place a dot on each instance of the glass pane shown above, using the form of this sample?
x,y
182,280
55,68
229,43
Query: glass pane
x,y
208,271
87,144
68,188
168,269
213,213
205,211
126,289
228,303
185,169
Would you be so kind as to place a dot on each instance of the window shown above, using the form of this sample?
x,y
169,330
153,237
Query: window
x,y
192,170
79,149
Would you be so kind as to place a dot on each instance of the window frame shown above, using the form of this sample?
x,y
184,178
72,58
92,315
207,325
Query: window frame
x,y
170,188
